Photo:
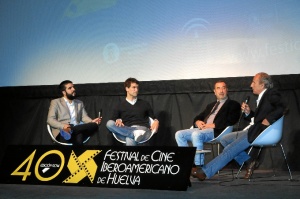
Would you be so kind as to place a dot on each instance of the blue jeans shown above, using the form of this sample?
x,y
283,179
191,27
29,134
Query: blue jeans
x,y
126,133
197,137
235,144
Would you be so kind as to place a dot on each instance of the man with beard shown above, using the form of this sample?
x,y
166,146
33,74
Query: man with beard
x,y
68,117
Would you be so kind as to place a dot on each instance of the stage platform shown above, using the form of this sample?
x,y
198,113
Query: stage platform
x,y
264,185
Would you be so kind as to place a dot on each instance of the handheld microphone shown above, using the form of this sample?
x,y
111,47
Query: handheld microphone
x,y
100,113
242,113
246,101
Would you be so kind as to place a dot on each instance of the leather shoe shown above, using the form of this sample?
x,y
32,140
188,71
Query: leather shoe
x,y
250,168
198,173
194,171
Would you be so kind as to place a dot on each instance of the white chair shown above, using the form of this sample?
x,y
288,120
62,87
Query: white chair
x,y
152,133
271,136
61,143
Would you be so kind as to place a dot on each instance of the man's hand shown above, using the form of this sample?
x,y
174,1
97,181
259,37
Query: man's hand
x,y
208,126
265,122
154,125
67,128
200,124
119,123
97,120
245,108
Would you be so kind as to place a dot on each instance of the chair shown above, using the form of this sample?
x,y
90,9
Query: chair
x,y
271,136
152,133
216,140
61,143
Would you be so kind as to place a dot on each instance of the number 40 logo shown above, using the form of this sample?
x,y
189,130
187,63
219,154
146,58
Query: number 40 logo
x,y
79,166
29,160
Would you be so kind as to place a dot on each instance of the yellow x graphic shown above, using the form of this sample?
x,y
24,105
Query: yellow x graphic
x,y
82,166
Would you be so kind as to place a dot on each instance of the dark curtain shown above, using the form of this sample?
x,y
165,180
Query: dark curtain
x,y
174,102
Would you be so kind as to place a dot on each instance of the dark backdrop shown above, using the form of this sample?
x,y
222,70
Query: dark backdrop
x,y
176,102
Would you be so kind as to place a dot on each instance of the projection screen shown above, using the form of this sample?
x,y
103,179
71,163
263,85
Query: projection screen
x,y
43,42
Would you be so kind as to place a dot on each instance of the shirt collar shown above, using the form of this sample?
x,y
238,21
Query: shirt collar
x,y
67,101
261,94
131,102
223,100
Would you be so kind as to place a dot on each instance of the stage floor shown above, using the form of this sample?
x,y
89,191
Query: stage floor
x,y
264,185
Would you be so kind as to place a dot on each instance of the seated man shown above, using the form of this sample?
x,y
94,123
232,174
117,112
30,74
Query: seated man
x,y
211,122
130,119
270,107
66,115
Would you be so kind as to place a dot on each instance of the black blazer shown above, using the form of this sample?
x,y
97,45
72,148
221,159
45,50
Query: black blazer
x,y
271,107
228,115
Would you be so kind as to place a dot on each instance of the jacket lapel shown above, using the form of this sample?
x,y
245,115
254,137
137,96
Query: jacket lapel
x,y
64,104
76,110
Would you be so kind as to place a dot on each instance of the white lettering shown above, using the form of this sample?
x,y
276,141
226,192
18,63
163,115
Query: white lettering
x,y
140,168
158,156
122,155
49,165
123,179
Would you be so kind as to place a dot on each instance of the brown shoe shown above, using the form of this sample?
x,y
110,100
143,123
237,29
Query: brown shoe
x,y
193,172
198,173
250,168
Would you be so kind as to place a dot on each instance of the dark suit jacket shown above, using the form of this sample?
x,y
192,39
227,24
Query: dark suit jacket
x,y
228,115
271,107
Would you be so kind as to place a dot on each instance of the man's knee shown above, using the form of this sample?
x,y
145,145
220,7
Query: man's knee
x,y
178,135
224,140
92,126
85,128
197,135
110,124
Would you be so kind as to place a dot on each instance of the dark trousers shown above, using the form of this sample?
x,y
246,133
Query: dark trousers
x,y
81,132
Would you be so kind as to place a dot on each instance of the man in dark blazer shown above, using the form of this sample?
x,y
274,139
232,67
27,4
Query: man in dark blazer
x,y
210,123
68,117
270,107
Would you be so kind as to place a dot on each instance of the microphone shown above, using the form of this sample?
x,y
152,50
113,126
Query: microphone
x,y
242,113
100,113
246,101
